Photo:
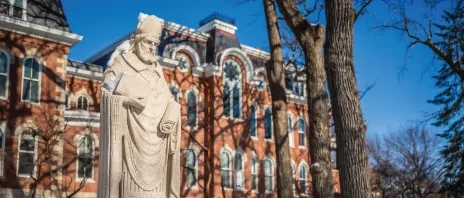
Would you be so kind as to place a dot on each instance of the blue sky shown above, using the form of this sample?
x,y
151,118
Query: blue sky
x,y
379,55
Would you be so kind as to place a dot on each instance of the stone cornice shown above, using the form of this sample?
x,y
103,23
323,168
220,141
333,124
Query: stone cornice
x,y
217,24
39,31
256,52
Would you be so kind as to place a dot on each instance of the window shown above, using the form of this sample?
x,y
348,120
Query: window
x,y
185,61
2,149
268,123
253,121
226,170
290,132
191,168
299,88
254,173
175,92
303,180
288,82
18,9
4,7
31,81
301,133
192,109
66,101
82,103
269,176
26,155
85,157
4,68
239,173
232,89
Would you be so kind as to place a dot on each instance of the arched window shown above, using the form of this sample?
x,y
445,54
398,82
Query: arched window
x,y
27,154
2,149
301,133
269,176
85,157
175,92
334,159
254,173
31,81
226,170
82,103
4,69
232,89
291,137
239,173
253,121
192,109
268,123
184,59
191,168
303,180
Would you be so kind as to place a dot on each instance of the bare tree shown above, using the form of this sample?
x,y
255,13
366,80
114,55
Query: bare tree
x,y
311,38
276,77
407,163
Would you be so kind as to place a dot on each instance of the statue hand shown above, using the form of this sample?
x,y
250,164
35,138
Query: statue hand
x,y
131,101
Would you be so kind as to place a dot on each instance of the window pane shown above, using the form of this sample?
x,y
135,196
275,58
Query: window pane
x,y
34,91
267,167
254,183
302,173
238,162
253,166
192,110
224,160
28,68
26,163
253,120
35,69
226,100
1,142
27,143
3,63
226,178
190,178
3,85
301,139
26,90
174,92
268,124
85,167
268,183
236,101
301,125
302,186
190,159
17,12
4,8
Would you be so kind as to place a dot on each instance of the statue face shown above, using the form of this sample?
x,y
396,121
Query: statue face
x,y
146,49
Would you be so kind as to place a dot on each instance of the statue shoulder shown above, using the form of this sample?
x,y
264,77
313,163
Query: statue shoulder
x,y
116,67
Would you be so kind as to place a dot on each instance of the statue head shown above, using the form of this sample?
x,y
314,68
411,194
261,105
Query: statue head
x,y
147,37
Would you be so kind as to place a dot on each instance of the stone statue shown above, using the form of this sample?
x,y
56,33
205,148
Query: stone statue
x,y
140,122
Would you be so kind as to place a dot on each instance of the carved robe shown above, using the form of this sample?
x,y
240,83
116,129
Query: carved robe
x,y
139,154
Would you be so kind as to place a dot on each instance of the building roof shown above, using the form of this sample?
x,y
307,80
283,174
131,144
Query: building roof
x,y
85,66
48,13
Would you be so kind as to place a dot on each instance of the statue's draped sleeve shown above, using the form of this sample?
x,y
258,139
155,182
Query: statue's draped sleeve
x,y
110,158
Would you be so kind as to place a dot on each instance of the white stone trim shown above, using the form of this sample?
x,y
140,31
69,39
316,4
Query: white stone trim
x,y
256,52
240,54
218,25
190,51
84,73
40,31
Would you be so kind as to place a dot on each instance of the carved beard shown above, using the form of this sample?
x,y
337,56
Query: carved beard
x,y
144,54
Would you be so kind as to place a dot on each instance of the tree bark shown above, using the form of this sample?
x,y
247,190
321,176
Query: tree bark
x,y
311,39
349,124
276,78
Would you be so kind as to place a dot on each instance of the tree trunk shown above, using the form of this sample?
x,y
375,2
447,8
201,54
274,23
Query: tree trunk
x,y
349,124
276,78
311,39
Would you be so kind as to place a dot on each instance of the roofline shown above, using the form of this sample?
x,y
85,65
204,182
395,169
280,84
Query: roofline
x,y
166,25
40,31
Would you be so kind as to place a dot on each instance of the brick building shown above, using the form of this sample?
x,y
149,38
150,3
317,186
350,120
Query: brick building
x,y
50,108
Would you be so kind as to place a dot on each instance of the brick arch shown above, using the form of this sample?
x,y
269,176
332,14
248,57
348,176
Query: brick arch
x,y
247,65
